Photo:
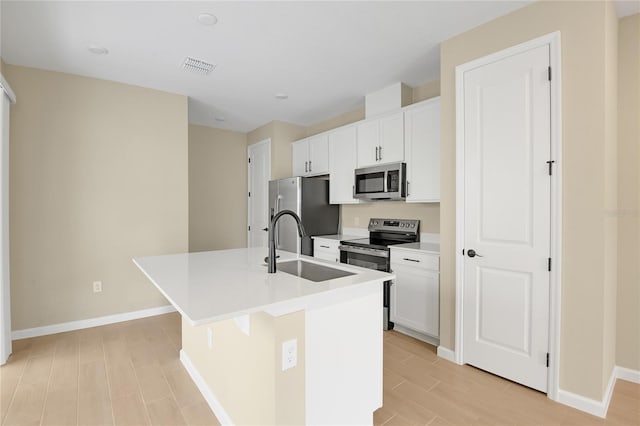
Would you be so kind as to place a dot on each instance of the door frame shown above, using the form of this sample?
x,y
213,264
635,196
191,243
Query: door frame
x,y
555,276
253,145
5,278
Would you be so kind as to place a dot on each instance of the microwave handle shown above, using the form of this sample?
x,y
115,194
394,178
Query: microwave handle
x,y
385,180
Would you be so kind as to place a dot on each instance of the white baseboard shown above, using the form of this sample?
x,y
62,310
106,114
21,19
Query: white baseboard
x,y
88,323
628,374
447,354
595,407
211,399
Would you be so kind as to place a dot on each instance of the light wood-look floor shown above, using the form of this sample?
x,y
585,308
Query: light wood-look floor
x,y
130,374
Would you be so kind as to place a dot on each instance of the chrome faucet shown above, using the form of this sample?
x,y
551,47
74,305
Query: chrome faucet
x,y
271,261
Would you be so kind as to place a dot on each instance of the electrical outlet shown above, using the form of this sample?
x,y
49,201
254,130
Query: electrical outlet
x,y
97,286
289,354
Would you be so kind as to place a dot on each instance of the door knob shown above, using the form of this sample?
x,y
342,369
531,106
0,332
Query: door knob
x,y
472,253
265,229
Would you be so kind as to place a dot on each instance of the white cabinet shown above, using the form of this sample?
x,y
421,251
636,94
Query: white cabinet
x,y
326,249
342,162
381,140
422,151
310,156
415,293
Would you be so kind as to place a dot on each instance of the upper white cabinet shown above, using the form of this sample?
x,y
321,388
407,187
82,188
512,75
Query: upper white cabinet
x,y
380,140
342,162
310,156
422,151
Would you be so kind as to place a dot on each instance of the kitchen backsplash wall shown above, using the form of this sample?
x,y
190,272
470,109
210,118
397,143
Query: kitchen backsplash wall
x,y
358,215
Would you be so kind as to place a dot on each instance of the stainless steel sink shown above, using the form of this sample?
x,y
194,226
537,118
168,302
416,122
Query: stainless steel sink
x,y
311,271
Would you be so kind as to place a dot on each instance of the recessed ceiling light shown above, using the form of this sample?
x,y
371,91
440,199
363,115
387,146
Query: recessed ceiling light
x,y
98,50
207,19
282,96
220,118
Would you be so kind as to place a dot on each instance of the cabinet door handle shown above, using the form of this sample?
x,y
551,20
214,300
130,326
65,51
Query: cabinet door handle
x,y
324,246
411,260
380,151
306,165
376,153
309,165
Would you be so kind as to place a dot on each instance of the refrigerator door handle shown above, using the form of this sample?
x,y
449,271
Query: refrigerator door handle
x,y
277,230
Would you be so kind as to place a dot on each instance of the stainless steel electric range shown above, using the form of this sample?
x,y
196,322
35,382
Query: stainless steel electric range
x,y
373,252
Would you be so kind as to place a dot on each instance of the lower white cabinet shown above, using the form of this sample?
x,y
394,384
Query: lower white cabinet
x,y
415,293
326,249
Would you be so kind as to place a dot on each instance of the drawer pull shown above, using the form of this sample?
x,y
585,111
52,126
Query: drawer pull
x,y
410,260
325,246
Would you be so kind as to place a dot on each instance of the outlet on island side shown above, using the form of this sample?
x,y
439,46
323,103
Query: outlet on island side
x,y
289,354
97,286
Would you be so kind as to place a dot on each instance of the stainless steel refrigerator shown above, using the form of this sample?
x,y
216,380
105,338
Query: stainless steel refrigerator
x,y
309,199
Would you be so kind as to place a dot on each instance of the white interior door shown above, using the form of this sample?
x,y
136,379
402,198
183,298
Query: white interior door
x,y
259,175
507,217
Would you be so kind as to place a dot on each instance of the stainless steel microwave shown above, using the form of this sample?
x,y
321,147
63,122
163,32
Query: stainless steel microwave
x,y
383,182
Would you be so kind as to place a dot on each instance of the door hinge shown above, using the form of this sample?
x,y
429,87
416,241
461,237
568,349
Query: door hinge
x,y
249,193
249,159
547,359
463,252
550,163
549,265
249,227
549,73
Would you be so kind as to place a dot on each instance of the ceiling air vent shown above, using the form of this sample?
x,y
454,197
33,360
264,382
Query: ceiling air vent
x,y
197,66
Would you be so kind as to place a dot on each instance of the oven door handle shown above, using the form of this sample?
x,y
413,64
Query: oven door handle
x,y
366,251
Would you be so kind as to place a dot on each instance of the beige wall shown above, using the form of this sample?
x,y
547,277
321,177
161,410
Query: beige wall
x,y
281,134
610,155
584,284
253,389
628,297
217,189
98,176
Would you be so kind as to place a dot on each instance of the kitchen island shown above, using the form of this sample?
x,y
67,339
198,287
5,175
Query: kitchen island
x,y
276,348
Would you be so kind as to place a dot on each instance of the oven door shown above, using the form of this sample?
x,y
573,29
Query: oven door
x,y
365,257
371,259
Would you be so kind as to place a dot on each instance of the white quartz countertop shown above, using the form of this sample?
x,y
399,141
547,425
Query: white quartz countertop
x,y
432,248
217,285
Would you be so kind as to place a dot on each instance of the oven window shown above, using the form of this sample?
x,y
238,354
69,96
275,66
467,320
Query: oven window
x,y
370,182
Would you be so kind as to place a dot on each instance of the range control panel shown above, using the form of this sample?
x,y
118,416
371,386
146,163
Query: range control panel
x,y
394,225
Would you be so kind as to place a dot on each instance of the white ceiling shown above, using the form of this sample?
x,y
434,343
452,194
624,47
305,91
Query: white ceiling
x,y
325,55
